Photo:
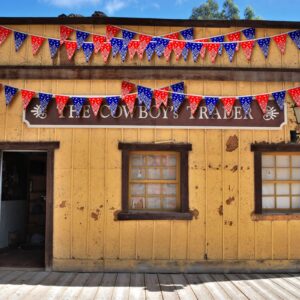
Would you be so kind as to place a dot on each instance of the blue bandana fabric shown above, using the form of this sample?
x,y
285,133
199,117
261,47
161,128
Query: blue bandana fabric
x,y
249,33
88,50
127,36
188,34
145,96
116,46
195,49
279,98
161,45
9,92
150,50
53,46
246,103
219,39
20,37
211,103
177,100
123,52
230,49
113,103
44,100
186,50
295,36
78,103
264,45
178,87
81,36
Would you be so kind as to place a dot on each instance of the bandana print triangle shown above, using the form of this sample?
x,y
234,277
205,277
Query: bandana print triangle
x,y
113,104
213,50
127,36
36,43
295,36
95,104
44,101
233,37
130,101
161,97
178,47
61,102
78,103
194,103
196,50
20,37
133,48
246,103
161,44
186,50
26,97
168,50
203,48
219,39
295,94
247,48
98,40
150,49
177,100
145,96
123,52
177,87
172,36
53,46
211,103
71,48
88,49
264,45
111,31
126,88
249,33
187,34
116,45
4,33
279,98
105,50
65,33
144,41
280,41
81,36
263,101
230,49
228,104
9,92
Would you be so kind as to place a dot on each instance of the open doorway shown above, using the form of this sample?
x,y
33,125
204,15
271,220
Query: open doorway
x,y
23,209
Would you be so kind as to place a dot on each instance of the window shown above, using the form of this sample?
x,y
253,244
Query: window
x,y
277,178
154,181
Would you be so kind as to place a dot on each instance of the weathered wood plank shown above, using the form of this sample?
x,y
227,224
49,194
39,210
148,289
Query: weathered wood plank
x,y
153,290
168,289
183,289
121,290
137,286
291,279
199,289
11,275
90,288
105,291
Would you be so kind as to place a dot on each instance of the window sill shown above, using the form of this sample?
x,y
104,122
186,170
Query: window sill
x,y
172,215
275,217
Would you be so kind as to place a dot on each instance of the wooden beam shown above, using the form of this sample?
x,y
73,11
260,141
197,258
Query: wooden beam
x,y
150,72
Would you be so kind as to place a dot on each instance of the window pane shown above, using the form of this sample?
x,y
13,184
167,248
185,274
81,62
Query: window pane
x,y
169,173
282,189
268,174
283,173
296,202
169,160
268,161
268,189
169,189
295,160
153,189
153,173
169,203
137,189
296,188
137,202
268,202
296,174
282,161
137,160
153,160
153,202
137,174
283,202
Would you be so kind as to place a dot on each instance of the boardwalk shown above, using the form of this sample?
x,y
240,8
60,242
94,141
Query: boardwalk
x,y
54,285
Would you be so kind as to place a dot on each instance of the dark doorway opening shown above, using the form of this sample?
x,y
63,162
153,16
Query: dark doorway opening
x,y
23,209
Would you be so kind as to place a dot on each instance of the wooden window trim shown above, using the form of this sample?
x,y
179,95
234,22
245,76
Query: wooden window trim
x,y
184,213
258,149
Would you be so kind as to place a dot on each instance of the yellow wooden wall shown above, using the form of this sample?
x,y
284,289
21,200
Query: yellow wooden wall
x,y
87,184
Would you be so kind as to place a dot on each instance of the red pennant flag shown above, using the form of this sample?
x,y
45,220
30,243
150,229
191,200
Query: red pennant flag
x,y
228,104
98,40
71,47
105,50
4,33
280,41
295,94
194,102
233,37
178,47
111,31
127,88
263,101
168,50
144,41
133,47
95,103
172,36
36,43
26,97
247,47
65,33
203,48
213,49
61,102
130,101
161,97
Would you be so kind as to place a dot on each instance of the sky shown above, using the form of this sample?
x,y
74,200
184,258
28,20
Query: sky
x,y
288,10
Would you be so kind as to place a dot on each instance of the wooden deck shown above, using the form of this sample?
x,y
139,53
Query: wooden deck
x,y
58,285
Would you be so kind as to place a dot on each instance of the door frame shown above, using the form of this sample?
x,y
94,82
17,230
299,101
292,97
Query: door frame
x,y
49,148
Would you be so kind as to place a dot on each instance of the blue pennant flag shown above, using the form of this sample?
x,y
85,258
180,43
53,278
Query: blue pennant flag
x,y
219,39
246,103
230,50
188,34
161,45
279,98
195,49
264,45
178,87
78,103
113,103
186,50
150,50
81,36
44,101
116,46
9,92
177,100
145,96
123,52
20,37
127,36
53,46
249,33
211,103
295,36
88,49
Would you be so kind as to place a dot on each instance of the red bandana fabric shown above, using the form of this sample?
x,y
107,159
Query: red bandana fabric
x,y
65,33
105,50
178,47
228,104
144,41
36,43
71,47
194,102
133,47
280,41
161,97
262,101
168,50
233,37
4,33
213,50
98,41
111,31
247,47
172,36
61,102
127,88
130,101
203,48
26,97
95,103
295,94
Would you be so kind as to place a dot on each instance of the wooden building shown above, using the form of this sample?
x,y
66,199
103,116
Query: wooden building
x,y
149,192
